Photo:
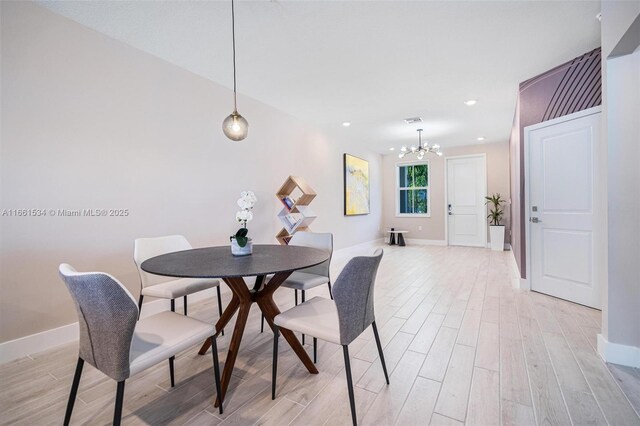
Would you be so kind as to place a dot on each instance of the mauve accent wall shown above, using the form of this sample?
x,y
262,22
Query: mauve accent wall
x,y
568,88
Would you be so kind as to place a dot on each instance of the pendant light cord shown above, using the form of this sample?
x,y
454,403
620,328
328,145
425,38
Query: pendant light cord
x,y
233,36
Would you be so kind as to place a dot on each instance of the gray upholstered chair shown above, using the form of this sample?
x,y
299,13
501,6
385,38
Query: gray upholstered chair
x,y
306,279
116,343
165,287
340,321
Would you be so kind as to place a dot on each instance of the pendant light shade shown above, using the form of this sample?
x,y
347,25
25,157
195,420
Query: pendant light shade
x,y
235,126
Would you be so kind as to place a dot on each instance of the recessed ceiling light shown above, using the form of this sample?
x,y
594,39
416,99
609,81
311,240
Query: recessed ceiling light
x,y
346,123
481,138
470,102
412,120
392,149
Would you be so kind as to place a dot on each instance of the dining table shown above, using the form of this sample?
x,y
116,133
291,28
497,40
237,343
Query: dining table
x,y
218,262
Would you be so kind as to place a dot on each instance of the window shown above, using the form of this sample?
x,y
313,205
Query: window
x,y
412,193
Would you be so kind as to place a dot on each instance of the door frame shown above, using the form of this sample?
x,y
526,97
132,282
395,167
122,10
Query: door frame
x,y
525,283
482,155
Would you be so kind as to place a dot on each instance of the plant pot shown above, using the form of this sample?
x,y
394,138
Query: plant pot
x,y
496,232
236,250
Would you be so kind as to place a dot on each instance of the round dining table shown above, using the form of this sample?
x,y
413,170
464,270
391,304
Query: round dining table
x,y
218,262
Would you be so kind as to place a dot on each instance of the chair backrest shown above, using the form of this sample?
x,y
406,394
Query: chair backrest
x,y
107,315
146,248
322,241
353,294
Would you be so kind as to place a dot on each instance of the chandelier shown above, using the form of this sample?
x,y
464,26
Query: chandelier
x,y
421,149
235,126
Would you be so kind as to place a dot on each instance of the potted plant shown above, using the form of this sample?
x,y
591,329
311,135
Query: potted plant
x,y
241,245
496,231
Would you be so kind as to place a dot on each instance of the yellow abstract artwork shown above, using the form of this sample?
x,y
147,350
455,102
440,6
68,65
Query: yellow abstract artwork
x,y
356,186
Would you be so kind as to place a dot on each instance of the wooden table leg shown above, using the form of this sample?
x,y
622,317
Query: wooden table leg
x,y
244,299
270,310
226,316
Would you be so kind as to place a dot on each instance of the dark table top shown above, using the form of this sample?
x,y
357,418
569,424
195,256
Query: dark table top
x,y
218,262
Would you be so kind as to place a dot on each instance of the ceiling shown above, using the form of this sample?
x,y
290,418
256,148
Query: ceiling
x,y
367,62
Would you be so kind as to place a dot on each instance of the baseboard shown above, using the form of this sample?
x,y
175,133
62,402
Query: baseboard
x,y
425,242
49,339
38,342
358,249
519,282
618,354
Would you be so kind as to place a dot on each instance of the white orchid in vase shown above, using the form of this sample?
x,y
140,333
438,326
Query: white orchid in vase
x,y
246,202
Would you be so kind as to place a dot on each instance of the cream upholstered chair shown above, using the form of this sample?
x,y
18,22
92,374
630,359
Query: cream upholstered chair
x,y
116,343
340,321
314,276
167,287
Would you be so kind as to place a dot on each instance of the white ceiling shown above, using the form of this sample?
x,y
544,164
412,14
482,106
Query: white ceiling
x,y
371,63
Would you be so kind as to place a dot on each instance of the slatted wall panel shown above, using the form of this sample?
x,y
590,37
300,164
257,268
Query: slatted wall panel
x,y
580,87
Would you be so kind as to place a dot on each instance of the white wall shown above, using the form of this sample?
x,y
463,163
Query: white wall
x,y
620,155
89,122
623,85
433,228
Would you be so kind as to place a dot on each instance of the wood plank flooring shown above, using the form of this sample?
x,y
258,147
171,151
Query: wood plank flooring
x,y
462,345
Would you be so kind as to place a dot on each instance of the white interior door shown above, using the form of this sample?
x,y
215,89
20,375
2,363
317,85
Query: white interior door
x,y
560,209
466,211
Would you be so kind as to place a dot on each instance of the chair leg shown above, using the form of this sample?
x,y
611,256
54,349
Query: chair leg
x,y
303,299
74,391
173,381
219,305
384,366
330,291
296,296
347,368
274,371
184,303
216,369
117,413
140,305
262,324
315,350
173,305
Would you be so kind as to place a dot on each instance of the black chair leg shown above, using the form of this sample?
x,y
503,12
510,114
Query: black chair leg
x,y
216,370
274,371
315,350
303,299
173,381
74,391
140,305
330,291
262,324
296,296
185,304
384,365
347,368
219,305
117,413
173,305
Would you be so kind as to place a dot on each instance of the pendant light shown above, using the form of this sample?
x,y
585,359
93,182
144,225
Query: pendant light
x,y
235,127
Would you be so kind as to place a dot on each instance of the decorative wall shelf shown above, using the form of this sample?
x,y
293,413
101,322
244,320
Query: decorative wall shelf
x,y
296,215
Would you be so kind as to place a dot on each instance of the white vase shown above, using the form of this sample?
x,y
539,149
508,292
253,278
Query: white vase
x,y
496,232
236,250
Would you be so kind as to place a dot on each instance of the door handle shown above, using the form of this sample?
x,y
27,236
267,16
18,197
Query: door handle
x,y
534,220
449,210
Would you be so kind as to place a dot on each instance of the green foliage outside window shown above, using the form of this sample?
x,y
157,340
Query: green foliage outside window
x,y
413,189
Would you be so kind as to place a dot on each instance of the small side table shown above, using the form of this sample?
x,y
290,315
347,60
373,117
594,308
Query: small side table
x,y
392,237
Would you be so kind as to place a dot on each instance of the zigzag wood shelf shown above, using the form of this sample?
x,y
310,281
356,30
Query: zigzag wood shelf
x,y
296,215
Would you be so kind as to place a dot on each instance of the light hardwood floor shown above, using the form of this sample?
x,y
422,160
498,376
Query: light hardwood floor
x,y
462,345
